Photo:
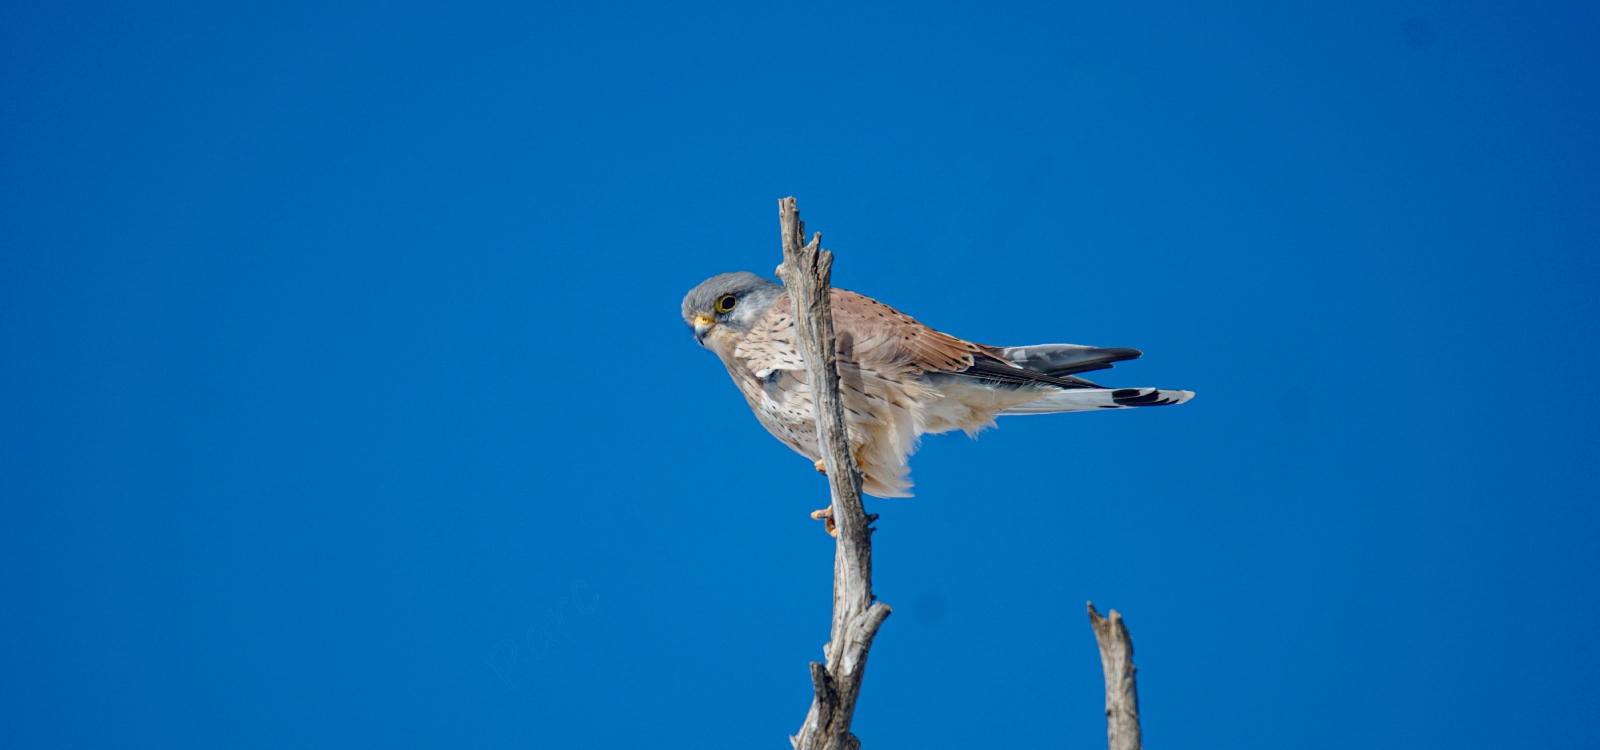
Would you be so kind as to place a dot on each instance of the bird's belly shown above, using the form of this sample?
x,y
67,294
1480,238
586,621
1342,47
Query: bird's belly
x,y
786,412
881,418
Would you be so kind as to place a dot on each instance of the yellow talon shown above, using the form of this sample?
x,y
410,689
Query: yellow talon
x,y
822,467
826,517
826,514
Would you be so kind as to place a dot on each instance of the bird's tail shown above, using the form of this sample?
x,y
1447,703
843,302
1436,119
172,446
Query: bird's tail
x,y
1093,399
1062,360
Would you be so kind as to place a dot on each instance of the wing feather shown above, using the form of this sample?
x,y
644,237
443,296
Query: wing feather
x,y
879,336
883,339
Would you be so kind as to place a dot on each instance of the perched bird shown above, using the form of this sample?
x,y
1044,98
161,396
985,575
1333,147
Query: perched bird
x,y
899,378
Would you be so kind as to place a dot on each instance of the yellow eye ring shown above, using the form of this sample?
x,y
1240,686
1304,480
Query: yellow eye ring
x,y
725,303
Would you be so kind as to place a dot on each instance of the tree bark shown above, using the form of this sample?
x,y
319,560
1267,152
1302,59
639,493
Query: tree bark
x,y
1122,694
807,274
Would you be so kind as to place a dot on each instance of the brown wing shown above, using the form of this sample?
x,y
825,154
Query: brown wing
x,y
884,339
879,336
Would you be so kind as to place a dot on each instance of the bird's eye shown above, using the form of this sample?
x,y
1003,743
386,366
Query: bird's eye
x,y
725,303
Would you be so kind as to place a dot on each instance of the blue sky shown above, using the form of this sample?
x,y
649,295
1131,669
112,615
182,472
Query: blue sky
x,y
345,402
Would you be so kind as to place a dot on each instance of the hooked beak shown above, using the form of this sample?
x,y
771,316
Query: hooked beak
x,y
702,325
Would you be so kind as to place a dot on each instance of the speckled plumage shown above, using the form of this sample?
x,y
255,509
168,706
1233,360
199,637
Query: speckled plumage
x,y
899,378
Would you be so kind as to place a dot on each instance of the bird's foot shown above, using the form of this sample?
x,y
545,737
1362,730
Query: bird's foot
x,y
826,517
822,467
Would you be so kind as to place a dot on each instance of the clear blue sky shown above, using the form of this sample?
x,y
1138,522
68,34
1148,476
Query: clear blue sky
x,y
344,400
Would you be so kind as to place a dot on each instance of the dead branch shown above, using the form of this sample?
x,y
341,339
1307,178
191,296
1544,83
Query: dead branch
x,y
1122,694
807,274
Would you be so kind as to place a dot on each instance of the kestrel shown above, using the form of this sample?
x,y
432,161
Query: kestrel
x,y
899,379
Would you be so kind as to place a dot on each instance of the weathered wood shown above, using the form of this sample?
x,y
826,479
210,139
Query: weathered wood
x,y
806,273
1122,694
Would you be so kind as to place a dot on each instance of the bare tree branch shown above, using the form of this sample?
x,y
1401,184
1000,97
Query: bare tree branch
x,y
807,274
1122,694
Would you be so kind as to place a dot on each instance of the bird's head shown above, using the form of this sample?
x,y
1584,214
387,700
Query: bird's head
x,y
722,308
